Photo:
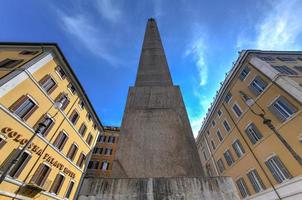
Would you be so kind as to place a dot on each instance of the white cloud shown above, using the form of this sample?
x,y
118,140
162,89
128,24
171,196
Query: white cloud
x,y
196,50
85,32
109,10
279,30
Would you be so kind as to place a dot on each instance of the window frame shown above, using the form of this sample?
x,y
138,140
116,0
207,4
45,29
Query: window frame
x,y
241,111
17,104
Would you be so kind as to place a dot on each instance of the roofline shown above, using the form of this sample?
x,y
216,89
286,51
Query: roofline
x,y
67,64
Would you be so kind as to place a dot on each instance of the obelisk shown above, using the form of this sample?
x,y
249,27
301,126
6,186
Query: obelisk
x,y
156,138
157,157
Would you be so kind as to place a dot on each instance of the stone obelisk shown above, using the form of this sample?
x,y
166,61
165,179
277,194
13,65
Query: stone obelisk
x,y
156,138
157,157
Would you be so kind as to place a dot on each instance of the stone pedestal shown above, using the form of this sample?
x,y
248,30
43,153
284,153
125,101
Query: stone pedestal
x,y
181,188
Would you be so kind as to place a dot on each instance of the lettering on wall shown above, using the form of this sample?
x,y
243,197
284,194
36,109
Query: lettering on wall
x,y
16,137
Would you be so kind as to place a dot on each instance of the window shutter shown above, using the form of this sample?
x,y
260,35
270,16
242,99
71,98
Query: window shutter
x,y
22,166
260,180
52,88
272,170
37,173
253,90
44,79
30,112
18,103
283,168
241,147
9,158
45,177
55,184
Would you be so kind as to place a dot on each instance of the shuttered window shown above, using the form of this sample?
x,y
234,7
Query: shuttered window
x,y
2,141
81,160
20,165
48,124
278,169
89,139
255,181
213,145
24,107
242,188
285,70
74,117
244,73
60,141
93,164
71,88
228,97
57,184
72,151
97,150
82,129
108,151
105,165
102,138
63,99
220,165
226,125
69,190
228,157
253,133
237,110
257,86
282,109
9,63
41,175
238,148
61,72
48,84
219,135
111,139
28,52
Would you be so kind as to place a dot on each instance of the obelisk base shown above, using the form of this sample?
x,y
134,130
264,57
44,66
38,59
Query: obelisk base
x,y
181,188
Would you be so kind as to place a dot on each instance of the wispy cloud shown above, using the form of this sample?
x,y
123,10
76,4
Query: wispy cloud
x,y
84,31
279,30
196,50
109,10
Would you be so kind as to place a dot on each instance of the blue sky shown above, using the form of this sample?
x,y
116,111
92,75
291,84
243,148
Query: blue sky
x,y
102,41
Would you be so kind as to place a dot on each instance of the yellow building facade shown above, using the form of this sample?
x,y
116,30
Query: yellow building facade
x,y
260,98
32,78
103,154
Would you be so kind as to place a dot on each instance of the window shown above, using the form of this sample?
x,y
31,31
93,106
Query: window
x,y
71,88
41,175
237,110
242,188
89,139
111,139
277,168
81,104
48,124
238,148
88,116
20,165
57,184
282,109
219,113
253,133
105,165
244,73
94,126
97,150
82,129
9,63
72,151
108,151
226,125
213,145
81,160
48,84
60,141
267,58
257,86
285,70
219,135
228,157
286,58
204,155
255,180
24,107
93,164
213,123
74,117
228,97
220,165
69,190
102,138
64,100
208,132
28,52
61,72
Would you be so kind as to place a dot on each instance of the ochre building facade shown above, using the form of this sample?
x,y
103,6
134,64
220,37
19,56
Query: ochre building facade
x,y
252,131
32,78
100,164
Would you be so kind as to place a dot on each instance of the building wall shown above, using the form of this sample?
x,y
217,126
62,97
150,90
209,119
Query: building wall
x,y
255,155
95,170
25,81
